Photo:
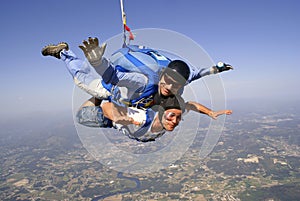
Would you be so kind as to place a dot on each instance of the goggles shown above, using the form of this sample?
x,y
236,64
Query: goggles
x,y
171,116
167,80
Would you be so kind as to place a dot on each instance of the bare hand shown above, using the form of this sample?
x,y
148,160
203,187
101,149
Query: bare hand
x,y
215,114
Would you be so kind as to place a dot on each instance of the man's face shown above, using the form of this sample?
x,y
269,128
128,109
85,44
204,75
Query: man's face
x,y
171,119
168,86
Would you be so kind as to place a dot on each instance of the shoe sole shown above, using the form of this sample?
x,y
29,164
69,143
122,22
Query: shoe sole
x,y
53,50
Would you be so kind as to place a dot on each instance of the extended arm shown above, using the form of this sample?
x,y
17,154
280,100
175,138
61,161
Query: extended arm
x,y
197,107
197,73
117,114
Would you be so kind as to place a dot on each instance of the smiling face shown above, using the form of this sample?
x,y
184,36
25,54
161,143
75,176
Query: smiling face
x,y
168,85
171,119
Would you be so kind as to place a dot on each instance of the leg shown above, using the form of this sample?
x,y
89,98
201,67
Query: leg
x,y
84,75
90,114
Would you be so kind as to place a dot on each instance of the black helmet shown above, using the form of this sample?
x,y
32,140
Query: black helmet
x,y
178,70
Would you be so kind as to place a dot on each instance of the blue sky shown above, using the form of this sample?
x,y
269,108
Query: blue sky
x,y
260,38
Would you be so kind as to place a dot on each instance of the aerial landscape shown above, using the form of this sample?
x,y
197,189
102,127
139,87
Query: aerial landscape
x,y
256,158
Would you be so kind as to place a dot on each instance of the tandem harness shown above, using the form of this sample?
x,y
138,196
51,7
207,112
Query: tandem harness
x,y
127,62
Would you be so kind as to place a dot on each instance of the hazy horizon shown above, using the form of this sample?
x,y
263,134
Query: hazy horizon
x,y
259,38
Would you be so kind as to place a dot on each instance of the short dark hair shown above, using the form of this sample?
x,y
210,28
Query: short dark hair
x,y
163,103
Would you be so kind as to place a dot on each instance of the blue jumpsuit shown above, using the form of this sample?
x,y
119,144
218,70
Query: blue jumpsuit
x,y
130,75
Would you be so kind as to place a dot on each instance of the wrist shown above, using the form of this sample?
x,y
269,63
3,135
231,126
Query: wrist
x,y
214,70
210,113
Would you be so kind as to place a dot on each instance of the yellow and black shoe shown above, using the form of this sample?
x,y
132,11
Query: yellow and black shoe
x,y
54,50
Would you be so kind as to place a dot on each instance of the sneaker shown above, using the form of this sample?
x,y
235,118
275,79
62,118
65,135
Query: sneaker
x,y
54,50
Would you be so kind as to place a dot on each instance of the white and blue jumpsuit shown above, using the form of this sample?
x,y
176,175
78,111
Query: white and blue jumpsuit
x,y
130,76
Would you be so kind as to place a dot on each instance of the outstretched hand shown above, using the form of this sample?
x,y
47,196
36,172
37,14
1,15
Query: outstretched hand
x,y
92,51
215,114
223,67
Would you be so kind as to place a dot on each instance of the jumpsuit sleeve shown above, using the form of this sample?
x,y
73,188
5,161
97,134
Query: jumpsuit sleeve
x,y
197,73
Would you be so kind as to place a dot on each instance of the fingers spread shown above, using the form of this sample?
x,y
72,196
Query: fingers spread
x,y
85,43
103,47
228,66
91,40
96,41
82,47
228,112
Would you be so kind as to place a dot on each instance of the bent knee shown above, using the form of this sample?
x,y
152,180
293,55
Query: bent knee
x,y
87,116
92,116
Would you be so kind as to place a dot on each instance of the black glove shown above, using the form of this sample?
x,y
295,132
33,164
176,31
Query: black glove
x,y
92,51
220,67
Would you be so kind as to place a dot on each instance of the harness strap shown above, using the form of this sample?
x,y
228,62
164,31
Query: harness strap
x,y
146,98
